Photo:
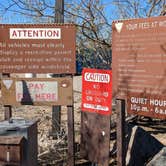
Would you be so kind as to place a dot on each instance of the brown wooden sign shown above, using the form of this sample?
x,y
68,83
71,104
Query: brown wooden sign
x,y
37,48
95,137
139,60
31,91
147,105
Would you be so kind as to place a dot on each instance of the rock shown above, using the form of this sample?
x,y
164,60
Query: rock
x,y
142,147
159,159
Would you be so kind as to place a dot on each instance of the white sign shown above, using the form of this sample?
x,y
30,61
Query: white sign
x,y
119,26
35,33
7,83
36,91
97,77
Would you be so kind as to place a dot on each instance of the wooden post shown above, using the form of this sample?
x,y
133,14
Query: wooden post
x,y
70,123
8,108
59,11
8,112
95,138
120,132
56,110
56,120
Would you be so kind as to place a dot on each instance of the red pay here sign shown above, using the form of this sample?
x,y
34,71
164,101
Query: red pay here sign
x,y
97,91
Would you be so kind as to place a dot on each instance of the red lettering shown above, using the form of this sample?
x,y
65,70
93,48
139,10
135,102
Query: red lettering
x,y
30,33
30,85
19,96
45,97
36,86
14,34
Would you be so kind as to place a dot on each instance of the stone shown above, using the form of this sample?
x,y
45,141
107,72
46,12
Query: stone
x,y
159,159
141,147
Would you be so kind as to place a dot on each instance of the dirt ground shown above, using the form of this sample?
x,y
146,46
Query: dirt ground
x,y
53,151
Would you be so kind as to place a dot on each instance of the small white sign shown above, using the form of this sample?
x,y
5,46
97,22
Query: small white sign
x,y
7,83
35,33
96,107
119,26
36,91
97,77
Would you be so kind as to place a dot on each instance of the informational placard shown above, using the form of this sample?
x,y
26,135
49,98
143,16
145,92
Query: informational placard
x,y
37,48
36,91
153,106
22,91
97,91
139,62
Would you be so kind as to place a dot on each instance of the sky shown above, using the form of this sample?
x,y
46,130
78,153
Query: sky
x,y
13,17
110,10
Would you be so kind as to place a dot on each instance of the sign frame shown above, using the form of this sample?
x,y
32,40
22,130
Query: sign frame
x,y
139,62
64,91
97,91
38,48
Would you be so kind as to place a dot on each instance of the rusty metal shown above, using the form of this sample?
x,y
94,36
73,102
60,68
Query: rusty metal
x,y
121,132
11,149
26,129
95,137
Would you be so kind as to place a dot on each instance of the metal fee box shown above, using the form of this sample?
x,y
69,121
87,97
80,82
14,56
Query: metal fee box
x,y
21,143
11,150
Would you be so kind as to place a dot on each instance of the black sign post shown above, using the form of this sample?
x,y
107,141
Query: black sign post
x,y
120,109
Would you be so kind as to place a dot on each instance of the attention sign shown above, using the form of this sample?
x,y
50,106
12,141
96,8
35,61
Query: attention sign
x,y
35,33
97,91
139,64
37,48
23,91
